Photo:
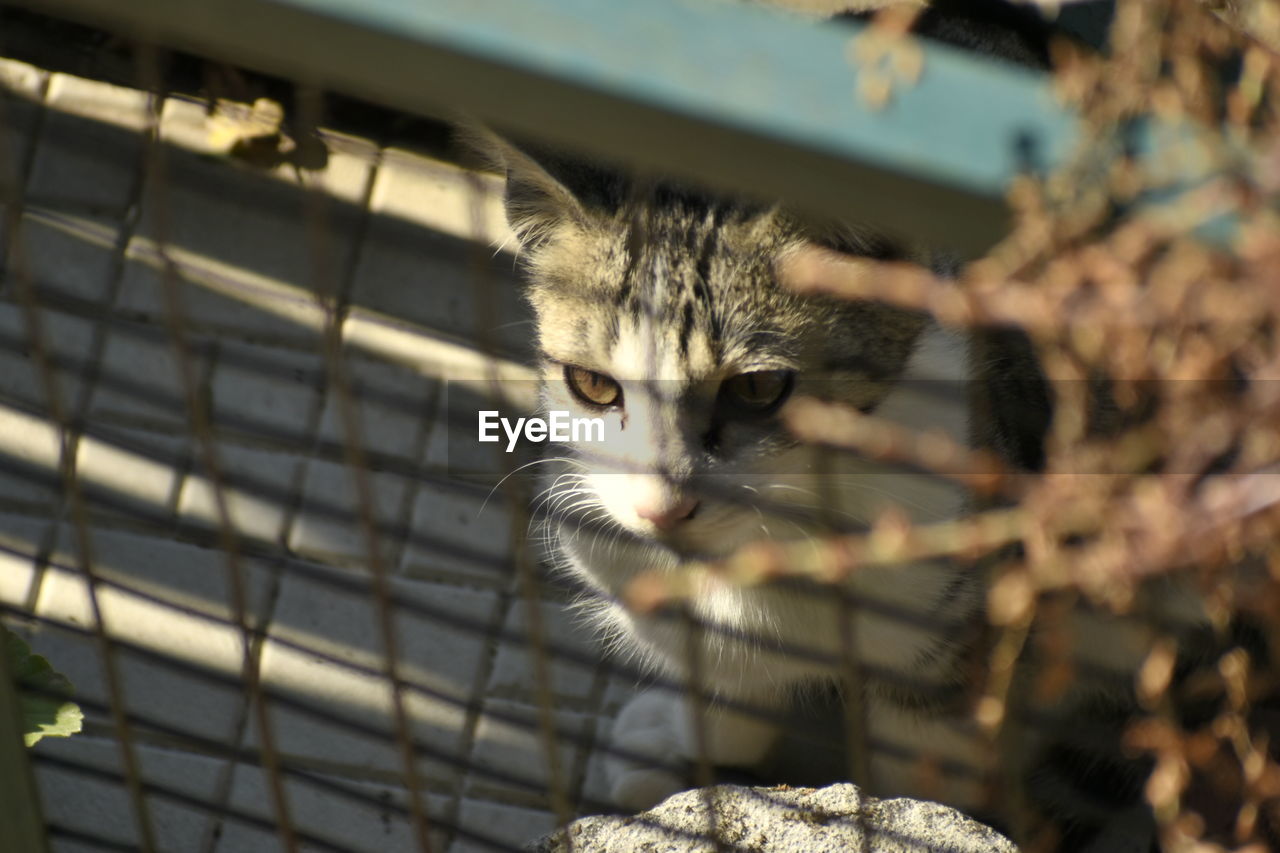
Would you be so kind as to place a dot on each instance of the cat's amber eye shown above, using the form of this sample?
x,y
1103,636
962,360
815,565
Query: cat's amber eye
x,y
758,391
592,388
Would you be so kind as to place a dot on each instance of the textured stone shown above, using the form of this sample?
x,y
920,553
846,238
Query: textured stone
x,y
781,820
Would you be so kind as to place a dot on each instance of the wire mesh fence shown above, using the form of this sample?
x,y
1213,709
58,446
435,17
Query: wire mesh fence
x,y
248,327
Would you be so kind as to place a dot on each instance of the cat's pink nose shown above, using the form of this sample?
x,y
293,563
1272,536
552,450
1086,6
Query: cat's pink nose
x,y
665,516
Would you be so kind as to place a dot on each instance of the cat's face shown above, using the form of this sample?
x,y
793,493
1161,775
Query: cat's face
x,y
659,311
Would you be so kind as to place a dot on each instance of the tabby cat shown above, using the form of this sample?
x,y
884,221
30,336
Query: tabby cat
x,y
659,309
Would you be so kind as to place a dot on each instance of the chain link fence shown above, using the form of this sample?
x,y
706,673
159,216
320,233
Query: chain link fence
x,y
244,323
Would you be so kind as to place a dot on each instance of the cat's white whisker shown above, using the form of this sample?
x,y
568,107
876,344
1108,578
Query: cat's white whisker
x,y
515,471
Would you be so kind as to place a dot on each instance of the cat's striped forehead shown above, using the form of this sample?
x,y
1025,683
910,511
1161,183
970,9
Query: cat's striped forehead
x,y
677,288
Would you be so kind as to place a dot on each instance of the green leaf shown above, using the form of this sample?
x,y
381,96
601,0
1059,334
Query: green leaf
x,y
42,714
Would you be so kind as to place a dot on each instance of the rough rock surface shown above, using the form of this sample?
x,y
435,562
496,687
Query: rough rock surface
x,y
780,820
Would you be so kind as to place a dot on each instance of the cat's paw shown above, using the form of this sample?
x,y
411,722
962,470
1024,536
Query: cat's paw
x,y
649,731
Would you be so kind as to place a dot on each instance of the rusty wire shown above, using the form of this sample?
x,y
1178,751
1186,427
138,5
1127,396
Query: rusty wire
x,y
199,417
74,504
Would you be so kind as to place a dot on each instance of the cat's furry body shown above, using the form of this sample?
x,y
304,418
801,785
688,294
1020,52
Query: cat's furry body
x,y
652,300
691,301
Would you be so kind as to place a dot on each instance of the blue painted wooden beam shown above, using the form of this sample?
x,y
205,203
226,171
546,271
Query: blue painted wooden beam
x,y
730,93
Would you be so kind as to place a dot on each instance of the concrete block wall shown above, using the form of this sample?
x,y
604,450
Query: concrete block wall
x,y
176,311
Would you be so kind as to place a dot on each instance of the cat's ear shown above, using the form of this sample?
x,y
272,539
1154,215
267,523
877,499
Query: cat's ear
x,y
545,190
